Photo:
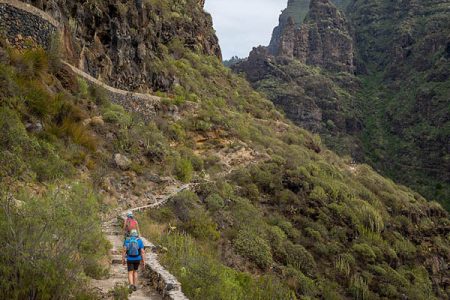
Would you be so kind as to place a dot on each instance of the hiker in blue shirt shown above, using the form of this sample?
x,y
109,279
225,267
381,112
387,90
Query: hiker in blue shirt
x,y
133,250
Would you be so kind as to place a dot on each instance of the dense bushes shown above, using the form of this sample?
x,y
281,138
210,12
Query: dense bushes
x,y
253,247
24,156
203,276
49,242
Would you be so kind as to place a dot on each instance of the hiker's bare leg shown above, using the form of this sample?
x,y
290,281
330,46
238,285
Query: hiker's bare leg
x,y
135,277
131,277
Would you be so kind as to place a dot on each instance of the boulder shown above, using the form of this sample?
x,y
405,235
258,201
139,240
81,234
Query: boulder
x,y
122,162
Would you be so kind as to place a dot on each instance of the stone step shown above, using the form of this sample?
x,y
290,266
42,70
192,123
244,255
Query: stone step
x,y
116,259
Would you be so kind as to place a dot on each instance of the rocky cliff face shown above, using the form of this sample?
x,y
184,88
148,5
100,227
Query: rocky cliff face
x,y
297,11
324,39
395,108
119,42
285,71
312,98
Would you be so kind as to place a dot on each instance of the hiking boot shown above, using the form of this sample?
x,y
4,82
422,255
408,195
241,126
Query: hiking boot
x,y
134,288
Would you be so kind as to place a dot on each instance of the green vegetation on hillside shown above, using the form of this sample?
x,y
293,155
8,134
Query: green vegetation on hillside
x,y
300,217
317,100
405,93
273,213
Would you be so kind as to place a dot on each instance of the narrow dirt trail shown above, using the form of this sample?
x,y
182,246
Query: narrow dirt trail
x,y
153,274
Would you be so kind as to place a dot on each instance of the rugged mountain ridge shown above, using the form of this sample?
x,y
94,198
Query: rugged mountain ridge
x,y
404,48
321,100
324,39
398,98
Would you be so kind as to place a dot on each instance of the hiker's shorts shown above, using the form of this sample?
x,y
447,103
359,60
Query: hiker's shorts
x,y
133,265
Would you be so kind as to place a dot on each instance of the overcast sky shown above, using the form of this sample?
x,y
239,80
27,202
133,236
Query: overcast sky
x,y
244,24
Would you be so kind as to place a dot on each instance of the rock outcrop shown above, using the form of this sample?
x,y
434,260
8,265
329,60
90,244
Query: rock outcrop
x,y
119,42
324,39
297,11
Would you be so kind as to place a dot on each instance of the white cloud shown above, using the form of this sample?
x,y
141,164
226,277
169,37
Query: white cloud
x,y
243,24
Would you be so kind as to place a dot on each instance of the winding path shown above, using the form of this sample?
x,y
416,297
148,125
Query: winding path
x,y
154,281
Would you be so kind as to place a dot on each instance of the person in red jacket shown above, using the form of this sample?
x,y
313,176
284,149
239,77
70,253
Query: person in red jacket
x,y
130,224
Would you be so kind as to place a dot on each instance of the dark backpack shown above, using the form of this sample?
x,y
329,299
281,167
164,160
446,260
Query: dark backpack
x,y
133,249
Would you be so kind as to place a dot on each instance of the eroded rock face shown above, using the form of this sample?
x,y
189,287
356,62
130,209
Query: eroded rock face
x,y
312,98
297,11
120,41
324,39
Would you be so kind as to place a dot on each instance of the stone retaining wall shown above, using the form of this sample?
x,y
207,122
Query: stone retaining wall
x,y
144,104
23,24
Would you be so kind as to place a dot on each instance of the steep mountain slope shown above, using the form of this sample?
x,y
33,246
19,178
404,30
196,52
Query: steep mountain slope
x,y
405,96
274,214
396,107
307,72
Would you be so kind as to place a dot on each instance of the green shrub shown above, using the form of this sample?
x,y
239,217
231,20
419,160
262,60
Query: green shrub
x,y
33,63
302,284
251,246
98,94
359,287
421,286
184,203
83,88
276,238
300,258
364,252
121,291
79,134
319,194
60,240
183,169
39,102
201,226
404,248
116,114
344,264
214,202
203,276
369,217
23,154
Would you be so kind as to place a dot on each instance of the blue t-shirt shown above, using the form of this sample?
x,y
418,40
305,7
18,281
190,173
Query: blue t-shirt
x,y
141,246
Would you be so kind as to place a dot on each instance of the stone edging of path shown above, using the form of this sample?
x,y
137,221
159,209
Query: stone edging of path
x,y
164,282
